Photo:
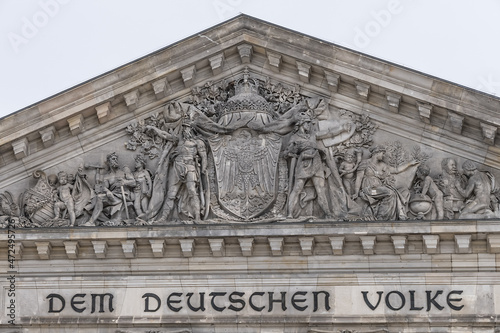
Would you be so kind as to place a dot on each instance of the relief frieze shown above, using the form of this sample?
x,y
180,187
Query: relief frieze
x,y
252,150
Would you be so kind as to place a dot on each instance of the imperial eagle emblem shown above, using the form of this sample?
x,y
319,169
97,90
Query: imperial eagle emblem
x,y
246,160
246,164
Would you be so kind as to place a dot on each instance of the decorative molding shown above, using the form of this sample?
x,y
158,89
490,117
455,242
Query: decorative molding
x,y
462,243
363,89
76,124
160,88
103,112
337,244
307,245
48,136
100,248
431,243
72,248
399,243
188,75
333,80
489,133
424,109
158,247
217,246
246,52
493,243
304,71
187,247
276,244
393,101
43,249
368,243
132,99
456,122
217,63
129,248
274,61
246,245
18,250
20,148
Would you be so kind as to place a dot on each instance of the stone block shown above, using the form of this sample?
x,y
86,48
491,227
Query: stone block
x,y
304,71
103,112
246,52
132,99
307,245
20,148
187,247
43,249
100,248
48,136
368,244
76,124
217,246
72,248
217,63
246,245
276,244
337,244
158,247
129,248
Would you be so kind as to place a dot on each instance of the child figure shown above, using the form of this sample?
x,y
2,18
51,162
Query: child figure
x,y
65,198
348,169
428,186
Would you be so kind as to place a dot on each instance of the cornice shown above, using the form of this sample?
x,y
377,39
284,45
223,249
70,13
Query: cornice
x,y
348,78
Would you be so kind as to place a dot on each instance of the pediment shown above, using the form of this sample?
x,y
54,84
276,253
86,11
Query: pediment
x,y
356,105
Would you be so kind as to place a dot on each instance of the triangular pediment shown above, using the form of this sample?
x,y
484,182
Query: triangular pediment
x,y
410,114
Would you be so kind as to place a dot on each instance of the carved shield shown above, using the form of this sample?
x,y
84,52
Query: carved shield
x,y
246,165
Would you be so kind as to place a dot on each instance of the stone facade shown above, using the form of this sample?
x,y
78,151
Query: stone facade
x,y
251,179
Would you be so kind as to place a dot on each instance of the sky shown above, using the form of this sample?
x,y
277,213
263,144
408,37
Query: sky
x,y
47,46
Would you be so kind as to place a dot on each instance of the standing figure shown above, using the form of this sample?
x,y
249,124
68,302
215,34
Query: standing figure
x,y
429,187
64,191
453,199
184,178
348,169
477,193
379,187
144,186
306,164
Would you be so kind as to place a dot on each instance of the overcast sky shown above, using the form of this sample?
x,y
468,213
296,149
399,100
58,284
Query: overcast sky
x,y
50,45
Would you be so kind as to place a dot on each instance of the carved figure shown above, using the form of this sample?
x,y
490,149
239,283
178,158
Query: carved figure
x,y
453,199
305,164
65,202
82,191
112,192
348,168
379,187
189,162
144,186
477,193
430,188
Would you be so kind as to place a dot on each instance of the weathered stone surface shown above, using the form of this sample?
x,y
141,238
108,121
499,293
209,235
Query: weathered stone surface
x,y
259,185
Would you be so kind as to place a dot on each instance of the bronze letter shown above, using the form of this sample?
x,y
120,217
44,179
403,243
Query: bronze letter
x,y
327,300
449,300
298,307
388,303
365,297
431,301
215,294
282,300
171,307
74,303
202,302
256,308
51,302
101,302
240,301
146,302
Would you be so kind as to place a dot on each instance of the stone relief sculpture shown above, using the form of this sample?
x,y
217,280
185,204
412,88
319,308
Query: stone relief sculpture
x,y
251,150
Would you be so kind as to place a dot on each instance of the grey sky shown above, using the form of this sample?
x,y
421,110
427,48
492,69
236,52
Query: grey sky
x,y
50,45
